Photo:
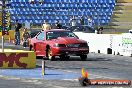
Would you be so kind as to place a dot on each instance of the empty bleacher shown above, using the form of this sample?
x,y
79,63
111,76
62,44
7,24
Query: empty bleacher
x,y
62,10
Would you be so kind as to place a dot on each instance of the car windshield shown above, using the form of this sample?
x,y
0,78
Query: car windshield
x,y
34,33
56,34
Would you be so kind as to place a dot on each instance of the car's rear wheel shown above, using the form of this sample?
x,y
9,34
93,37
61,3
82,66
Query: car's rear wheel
x,y
83,57
49,54
31,49
64,57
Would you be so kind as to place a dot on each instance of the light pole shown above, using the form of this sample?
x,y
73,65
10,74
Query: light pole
x,y
5,3
3,23
98,13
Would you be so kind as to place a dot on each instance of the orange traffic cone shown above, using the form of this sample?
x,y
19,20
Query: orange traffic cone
x,y
84,81
84,74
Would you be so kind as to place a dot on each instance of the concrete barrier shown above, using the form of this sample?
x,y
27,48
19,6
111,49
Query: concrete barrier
x,y
116,44
96,42
17,59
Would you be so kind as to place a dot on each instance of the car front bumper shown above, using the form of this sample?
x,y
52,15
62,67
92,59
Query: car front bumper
x,y
70,51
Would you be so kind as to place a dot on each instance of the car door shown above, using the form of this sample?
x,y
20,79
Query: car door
x,y
40,45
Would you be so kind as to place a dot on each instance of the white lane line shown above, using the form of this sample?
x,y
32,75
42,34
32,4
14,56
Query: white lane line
x,y
37,82
117,87
70,79
127,60
1,76
9,78
57,86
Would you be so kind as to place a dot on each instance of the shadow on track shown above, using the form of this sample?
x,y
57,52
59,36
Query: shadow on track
x,y
77,59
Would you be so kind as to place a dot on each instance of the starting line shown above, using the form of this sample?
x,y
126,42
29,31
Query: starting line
x,y
37,74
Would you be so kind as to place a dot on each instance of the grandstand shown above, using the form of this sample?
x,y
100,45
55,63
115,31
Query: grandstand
x,y
62,10
121,20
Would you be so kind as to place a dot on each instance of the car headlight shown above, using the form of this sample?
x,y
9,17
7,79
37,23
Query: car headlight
x,y
59,45
56,45
84,45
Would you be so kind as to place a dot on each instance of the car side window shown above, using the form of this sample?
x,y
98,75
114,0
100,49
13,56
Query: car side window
x,y
41,36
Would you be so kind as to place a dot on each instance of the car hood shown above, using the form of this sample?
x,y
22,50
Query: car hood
x,y
67,40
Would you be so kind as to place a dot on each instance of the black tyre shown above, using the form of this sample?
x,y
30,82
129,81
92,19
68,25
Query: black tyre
x,y
64,57
83,57
67,58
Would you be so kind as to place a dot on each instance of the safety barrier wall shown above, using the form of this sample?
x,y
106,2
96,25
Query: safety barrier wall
x,y
17,59
100,43
96,42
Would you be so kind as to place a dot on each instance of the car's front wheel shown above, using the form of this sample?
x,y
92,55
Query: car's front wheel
x,y
49,54
83,57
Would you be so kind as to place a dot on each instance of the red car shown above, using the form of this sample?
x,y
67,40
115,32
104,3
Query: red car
x,y
58,42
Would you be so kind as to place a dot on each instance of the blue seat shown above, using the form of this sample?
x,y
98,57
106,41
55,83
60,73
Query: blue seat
x,y
103,21
12,17
12,12
62,10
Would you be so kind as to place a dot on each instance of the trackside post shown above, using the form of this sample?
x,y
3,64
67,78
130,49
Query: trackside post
x,y
43,67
